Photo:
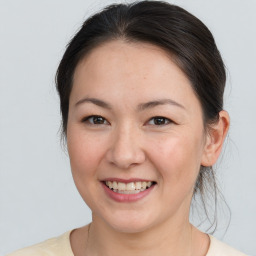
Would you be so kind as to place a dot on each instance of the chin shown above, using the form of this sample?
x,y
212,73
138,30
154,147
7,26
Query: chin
x,y
131,223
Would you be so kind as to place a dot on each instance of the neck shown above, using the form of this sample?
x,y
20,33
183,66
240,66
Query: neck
x,y
170,238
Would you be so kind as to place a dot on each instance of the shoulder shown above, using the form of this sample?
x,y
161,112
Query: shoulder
x,y
51,247
218,248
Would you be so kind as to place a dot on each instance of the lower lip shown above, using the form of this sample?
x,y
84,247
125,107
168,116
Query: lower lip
x,y
126,197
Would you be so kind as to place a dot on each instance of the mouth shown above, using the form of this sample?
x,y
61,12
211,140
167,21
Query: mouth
x,y
130,187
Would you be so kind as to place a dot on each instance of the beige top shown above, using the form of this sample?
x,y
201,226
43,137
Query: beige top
x,y
60,246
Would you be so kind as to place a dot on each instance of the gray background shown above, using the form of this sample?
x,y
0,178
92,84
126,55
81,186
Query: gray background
x,y
38,199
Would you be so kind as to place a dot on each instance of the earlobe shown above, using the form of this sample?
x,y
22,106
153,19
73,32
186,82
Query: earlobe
x,y
215,138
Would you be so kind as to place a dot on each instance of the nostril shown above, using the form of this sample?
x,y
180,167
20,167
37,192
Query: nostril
x,y
125,153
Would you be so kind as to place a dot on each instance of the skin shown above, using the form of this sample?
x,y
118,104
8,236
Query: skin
x,y
128,144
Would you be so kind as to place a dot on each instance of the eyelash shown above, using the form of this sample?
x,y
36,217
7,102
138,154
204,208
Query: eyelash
x,y
86,120
166,120
93,117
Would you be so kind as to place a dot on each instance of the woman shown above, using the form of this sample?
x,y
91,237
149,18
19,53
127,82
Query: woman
x,y
141,90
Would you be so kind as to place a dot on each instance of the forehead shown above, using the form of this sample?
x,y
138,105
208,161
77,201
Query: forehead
x,y
128,58
136,70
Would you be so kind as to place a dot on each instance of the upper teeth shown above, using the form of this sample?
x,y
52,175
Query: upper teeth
x,y
138,185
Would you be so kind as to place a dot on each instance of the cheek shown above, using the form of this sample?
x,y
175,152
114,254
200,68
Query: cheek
x,y
177,158
85,152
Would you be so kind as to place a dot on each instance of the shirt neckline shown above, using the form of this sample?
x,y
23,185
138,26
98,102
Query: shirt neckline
x,y
67,241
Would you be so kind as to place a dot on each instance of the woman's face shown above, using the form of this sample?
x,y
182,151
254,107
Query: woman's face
x,y
134,117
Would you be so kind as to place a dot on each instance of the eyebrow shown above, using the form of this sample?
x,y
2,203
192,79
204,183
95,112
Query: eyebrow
x,y
95,101
141,107
154,103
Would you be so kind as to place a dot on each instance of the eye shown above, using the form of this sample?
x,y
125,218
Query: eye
x,y
95,120
159,120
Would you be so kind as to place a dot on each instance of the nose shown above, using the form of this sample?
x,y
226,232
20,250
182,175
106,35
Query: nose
x,y
126,150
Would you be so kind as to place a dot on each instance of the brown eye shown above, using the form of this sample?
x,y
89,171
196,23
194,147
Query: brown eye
x,y
159,120
96,120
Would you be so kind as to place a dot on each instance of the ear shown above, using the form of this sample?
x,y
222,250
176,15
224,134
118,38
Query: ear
x,y
216,135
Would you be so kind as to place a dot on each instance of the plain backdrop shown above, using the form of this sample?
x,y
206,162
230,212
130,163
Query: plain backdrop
x,y
38,199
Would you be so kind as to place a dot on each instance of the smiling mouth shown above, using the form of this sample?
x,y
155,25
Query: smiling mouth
x,y
129,188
